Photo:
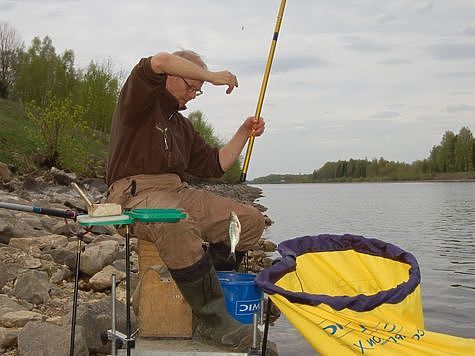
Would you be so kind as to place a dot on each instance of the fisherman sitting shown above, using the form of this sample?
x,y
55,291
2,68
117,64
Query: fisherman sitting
x,y
152,148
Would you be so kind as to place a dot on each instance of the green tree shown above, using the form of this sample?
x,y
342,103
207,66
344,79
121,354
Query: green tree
x,y
463,149
58,129
327,172
446,162
434,159
373,169
206,131
98,92
204,128
42,74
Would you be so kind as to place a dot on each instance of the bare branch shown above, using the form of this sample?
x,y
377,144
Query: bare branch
x,y
10,45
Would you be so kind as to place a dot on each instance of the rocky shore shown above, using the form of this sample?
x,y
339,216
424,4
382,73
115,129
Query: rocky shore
x,y
37,260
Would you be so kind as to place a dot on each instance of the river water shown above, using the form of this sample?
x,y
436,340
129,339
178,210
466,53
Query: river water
x,y
435,221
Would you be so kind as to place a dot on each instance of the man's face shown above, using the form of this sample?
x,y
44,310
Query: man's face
x,y
183,89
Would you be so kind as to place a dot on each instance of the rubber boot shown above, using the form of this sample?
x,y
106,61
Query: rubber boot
x,y
219,253
206,298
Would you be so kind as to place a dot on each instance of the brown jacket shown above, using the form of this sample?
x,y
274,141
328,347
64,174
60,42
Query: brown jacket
x,y
150,136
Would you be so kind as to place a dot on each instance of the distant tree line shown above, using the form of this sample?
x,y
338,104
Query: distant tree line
x,y
283,179
456,153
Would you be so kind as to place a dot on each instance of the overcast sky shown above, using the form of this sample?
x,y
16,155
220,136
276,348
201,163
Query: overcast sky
x,y
350,79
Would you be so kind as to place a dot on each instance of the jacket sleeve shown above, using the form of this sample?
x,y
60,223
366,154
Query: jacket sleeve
x,y
204,159
142,88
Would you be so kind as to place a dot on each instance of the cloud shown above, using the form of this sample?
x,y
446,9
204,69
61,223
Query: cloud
x,y
452,51
464,93
5,6
385,18
470,31
288,64
282,64
396,62
460,108
425,7
385,115
363,44
456,75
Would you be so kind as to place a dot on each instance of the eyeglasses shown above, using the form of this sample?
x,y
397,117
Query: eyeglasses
x,y
191,88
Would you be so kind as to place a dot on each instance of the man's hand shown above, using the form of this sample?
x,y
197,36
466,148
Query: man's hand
x,y
230,151
253,126
224,78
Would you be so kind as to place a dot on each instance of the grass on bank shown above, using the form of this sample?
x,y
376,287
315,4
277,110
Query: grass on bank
x,y
16,148
21,152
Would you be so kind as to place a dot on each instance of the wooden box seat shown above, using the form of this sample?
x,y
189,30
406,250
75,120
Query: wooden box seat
x,y
163,312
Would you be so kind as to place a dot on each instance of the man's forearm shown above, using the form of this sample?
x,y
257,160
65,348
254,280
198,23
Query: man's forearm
x,y
229,153
168,63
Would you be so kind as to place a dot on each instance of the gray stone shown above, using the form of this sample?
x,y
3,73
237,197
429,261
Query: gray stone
x,y
19,226
63,178
41,242
33,221
103,230
35,184
60,275
41,201
95,318
49,222
18,319
102,279
134,281
8,272
7,223
12,185
63,255
97,256
267,220
107,237
95,184
267,262
13,198
60,228
30,262
269,246
44,339
33,286
6,219
9,305
256,254
8,337
119,264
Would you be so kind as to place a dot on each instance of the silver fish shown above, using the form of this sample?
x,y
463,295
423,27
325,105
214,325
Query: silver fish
x,y
234,233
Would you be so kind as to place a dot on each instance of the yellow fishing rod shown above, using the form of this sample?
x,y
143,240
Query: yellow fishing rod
x,y
250,144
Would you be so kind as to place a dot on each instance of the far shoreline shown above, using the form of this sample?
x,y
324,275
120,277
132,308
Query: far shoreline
x,y
451,177
471,180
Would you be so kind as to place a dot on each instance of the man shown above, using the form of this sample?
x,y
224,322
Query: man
x,y
152,148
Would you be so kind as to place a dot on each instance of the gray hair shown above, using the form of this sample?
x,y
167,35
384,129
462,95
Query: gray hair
x,y
192,57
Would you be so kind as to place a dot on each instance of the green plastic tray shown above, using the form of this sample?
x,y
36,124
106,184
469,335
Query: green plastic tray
x,y
156,215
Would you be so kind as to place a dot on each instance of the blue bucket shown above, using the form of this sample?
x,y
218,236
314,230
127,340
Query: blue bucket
x,y
243,297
